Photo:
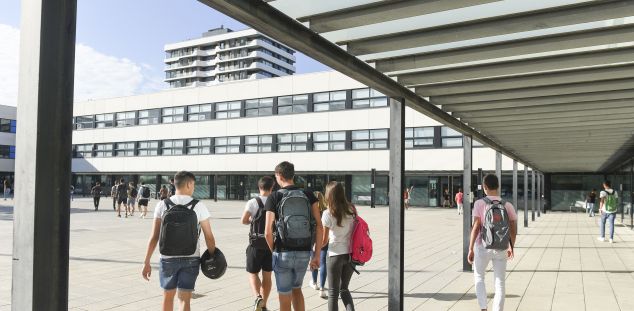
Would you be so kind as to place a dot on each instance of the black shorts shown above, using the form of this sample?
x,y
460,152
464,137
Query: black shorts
x,y
122,200
259,260
143,202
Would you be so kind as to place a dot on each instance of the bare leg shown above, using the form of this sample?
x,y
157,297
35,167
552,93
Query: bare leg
x,y
265,291
256,285
168,298
298,299
285,302
185,297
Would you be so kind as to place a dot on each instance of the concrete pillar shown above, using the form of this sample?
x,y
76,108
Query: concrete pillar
x,y
467,199
539,194
498,169
526,197
533,195
515,186
396,248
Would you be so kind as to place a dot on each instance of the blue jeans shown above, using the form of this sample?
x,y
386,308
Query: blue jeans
x,y
290,269
322,267
590,209
179,273
610,218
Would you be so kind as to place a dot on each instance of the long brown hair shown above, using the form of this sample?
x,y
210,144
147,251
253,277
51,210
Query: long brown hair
x,y
338,205
322,201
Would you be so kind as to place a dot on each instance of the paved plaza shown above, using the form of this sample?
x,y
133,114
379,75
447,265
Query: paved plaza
x,y
559,264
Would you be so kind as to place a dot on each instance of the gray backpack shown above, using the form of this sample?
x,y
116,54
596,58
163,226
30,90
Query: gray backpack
x,y
295,224
495,231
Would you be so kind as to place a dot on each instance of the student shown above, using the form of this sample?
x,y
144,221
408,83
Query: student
x,y
172,187
132,194
608,208
72,192
590,199
290,263
7,188
459,197
445,197
145,199
178,272
323,270
122,197
96,195
338,223
259,256
406,195
113,194
163,193
479,256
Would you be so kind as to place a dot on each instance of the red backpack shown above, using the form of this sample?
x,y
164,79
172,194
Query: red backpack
x,y
360,241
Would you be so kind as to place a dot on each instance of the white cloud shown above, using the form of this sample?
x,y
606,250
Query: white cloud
x,y
97,75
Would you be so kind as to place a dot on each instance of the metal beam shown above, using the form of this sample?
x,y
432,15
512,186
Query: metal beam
x,y
396,257
578,129
572,117
539,194
511,48
494,26
525,196
467,147
529,65
498,169
543,125
533,195
567,78
42,198
279,26
383,11
515,189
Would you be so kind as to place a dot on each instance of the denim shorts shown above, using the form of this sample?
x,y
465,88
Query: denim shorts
x,y
290,268
179,273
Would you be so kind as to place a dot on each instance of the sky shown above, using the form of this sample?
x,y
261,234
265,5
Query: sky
x,y
120,44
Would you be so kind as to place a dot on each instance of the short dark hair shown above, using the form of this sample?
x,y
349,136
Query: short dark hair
x,y
266,183
607,183
122,180
182,178
142,183
285,169
491,182
172,179
459,189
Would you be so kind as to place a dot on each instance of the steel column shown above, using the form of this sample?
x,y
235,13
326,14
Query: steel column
x,y
373,188
498,169
396,248
539,194
533,194
525,195
515,189
42,197
467,199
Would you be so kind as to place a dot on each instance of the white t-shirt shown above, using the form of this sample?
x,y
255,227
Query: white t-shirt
x,y
252,205
339,237
604,194
201,212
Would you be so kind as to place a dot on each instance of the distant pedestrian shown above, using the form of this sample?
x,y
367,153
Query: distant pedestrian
x,y
72,192
322,272
407,195
445,197
459,197
259,256
590,200
172,187
144,199
338,223
132,195
164,193
608,208
7,188
96,195
491,214
113,194
122,197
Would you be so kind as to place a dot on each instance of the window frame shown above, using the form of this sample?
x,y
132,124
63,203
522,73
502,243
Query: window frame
x,y
369,140
317,102
411,140
143,151
175,117
229,111
199,146
261,104
174,149
207,114
294,144
373,96
129,119
157,117
261,146
294,103
226,145
125,150
330,142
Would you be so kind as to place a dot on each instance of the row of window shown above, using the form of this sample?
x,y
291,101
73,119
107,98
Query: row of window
x,y
323,101
7,152
419,137
7,125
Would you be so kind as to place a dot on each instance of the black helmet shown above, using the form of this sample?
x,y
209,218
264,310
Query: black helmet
x,y
213,266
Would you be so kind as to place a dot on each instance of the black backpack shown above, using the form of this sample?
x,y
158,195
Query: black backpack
x,y
258,223
179,229
295,225
134,192
145,193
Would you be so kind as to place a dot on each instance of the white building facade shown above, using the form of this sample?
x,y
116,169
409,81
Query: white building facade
x,y
222,55
7,142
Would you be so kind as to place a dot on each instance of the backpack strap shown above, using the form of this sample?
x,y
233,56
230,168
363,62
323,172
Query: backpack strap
x,y
191,204
168,203
259,201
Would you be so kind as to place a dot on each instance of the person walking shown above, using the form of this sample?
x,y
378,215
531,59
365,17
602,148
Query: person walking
x,y
459,197
323,270
132,195
295,210
113,194
163,193
172,187
7,188
608,208
96,195
590,199
72,192
122,197
179,270
338,223
406,196
445,198
259,256
491,213
146,193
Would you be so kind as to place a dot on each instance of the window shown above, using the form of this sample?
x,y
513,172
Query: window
x,y
126,118
227,145
261,143
418,137
11,152
228,110
323,141
104,120
7,152
199,146
369,139
329,101
85,122
172,115
124,149
366,98
450,137
103,150
199,112
259,107
292,104
7,126
150,116
292,142
84,151
172,147
13,126
148,148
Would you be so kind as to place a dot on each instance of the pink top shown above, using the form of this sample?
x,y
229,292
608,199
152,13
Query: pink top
x,y
479,209
459,196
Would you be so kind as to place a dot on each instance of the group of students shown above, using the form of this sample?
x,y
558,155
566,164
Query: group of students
x,y
608,207
291,230
126,194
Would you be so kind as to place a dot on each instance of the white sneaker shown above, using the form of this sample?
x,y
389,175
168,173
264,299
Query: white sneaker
x,y
323,294
600,239
314,285
611,241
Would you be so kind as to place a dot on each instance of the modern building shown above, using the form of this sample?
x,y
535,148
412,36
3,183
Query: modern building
x,y
7,142
223,55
